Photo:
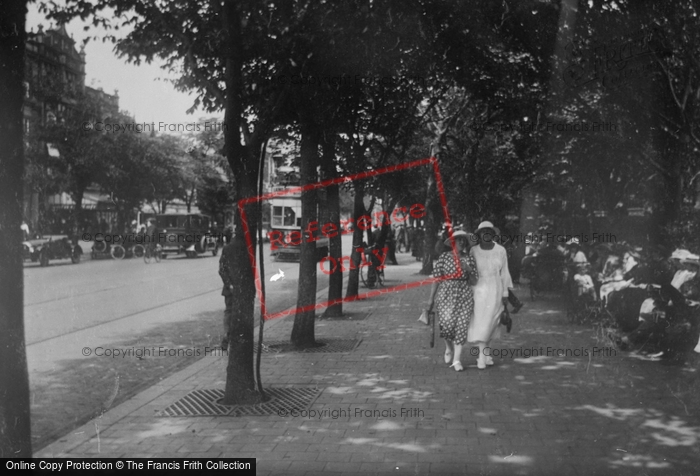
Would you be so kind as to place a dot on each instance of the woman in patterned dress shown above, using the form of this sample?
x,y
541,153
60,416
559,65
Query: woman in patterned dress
x,y
491,292
454,297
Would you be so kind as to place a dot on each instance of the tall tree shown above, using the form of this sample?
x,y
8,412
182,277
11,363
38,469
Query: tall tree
x,y
335,280
634,65
303,329
15,436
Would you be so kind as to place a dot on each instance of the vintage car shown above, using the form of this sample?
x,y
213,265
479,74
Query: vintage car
x,y
191,234
45,249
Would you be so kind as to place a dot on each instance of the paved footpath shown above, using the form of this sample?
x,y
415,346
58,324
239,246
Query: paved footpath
x,y
393,406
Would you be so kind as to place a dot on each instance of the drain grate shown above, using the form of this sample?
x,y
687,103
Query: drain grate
x,y
281,402
325,346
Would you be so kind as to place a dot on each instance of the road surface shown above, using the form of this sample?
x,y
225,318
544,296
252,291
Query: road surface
x,y
68,307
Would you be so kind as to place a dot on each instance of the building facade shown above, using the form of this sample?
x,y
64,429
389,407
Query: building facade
x,y
54,77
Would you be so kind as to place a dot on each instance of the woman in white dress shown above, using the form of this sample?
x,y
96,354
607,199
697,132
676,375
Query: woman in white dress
x,y
490,293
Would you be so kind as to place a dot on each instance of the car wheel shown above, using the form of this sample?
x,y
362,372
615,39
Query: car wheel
x,y
75,258
139,251
99,246
117,252
215,251
44,258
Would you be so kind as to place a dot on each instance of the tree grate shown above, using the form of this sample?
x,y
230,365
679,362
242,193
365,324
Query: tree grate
x,y
324,346
280,401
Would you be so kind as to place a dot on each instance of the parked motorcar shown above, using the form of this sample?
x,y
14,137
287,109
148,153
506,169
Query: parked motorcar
x,y
191,234
55,247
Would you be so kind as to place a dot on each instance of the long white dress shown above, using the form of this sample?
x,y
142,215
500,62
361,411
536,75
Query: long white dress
x,y
494,281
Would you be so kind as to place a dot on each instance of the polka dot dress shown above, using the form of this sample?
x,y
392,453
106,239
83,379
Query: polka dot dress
x,y
454,301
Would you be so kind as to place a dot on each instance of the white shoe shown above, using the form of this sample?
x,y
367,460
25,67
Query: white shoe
x,y
480,363
458,366
488,360
448,358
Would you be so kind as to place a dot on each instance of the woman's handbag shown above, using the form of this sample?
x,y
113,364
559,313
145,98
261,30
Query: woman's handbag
x,y
506,320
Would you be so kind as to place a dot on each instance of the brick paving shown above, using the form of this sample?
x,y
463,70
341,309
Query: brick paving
x,y
393,406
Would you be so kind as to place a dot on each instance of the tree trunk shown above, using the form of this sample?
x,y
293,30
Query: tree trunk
x,y
15,437
358,211
472,184
335,281
240,375
430,230
188,201
303,329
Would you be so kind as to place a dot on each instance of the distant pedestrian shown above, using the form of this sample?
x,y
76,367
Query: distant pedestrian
x,y
374,236
391,244
490,293
152,233
25,231
453,297
417,244
401,238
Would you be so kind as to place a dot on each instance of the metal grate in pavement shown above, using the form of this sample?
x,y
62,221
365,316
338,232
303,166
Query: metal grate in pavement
x,y
324,346
280,401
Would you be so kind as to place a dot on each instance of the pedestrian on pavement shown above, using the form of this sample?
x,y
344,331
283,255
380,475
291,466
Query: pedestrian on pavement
x,y
391,244
401,237
454,298
417,244
490,292
25,231
410,237
226,272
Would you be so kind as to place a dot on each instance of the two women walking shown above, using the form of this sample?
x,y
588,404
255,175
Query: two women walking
x,y
471,297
